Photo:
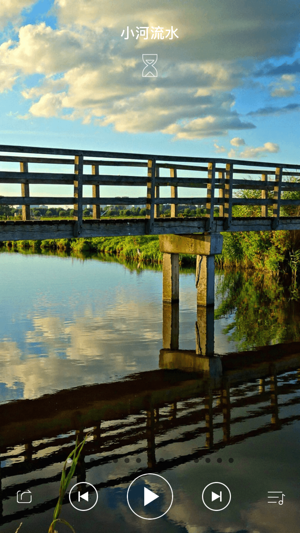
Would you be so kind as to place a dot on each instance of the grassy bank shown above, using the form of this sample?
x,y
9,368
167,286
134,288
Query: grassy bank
x,y
142,249
272,251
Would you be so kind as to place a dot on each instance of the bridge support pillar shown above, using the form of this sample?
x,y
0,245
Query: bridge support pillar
x,y
205,326
205,247
171,326
205,280
170,277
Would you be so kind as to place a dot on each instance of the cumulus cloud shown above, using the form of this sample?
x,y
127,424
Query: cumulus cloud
x,y
89,72
237,141
10,9
204,27
260,151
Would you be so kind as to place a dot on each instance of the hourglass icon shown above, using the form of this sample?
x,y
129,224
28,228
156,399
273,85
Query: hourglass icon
x,y
149,70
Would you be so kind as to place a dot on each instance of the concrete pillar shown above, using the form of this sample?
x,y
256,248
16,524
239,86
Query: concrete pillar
x,y
205,331
205,247
170,326
205,279
170,277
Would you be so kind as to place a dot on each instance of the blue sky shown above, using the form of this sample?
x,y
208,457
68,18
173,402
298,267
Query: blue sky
x,y
228,85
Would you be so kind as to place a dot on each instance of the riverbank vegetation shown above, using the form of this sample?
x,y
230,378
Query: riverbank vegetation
x,y
273,251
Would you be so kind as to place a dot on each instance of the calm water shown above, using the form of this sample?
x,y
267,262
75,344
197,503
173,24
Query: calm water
x,y
88,335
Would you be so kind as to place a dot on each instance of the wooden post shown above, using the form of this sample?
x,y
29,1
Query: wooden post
x,y
264,196
274,400
209,419
150,196
228,195
170,277
97,433
173,411
174,193
225,396
25,193
28,452
80,469
78,195
96,192
261,385
150,435
156,206
221,193
210,195
277,197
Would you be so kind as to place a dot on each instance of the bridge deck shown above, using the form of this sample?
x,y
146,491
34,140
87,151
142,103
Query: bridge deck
x,y
220,180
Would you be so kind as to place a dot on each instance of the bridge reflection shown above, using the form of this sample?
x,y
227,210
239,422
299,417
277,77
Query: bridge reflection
x,y
196,404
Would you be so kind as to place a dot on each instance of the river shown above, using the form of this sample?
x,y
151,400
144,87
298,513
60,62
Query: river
x,y
81,351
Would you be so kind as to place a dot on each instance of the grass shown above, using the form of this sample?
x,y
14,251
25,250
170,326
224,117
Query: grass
x,y
71,464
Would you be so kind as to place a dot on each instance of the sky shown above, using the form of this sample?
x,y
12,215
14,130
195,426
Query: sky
x,y
227,83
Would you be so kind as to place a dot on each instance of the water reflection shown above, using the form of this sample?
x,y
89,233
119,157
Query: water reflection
x,y
262,309
176,402
193,407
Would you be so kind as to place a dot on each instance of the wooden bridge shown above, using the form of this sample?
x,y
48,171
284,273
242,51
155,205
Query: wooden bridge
x,y
218,179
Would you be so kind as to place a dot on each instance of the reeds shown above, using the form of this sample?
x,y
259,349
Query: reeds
x,y
70,462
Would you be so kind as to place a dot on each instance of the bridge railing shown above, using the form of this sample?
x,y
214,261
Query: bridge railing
x,y
221,181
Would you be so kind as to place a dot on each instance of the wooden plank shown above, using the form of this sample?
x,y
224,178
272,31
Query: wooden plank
x,y
181,201
277,197
121,155
251,201
36,200
78,171
156,206
25,192
228,195
36,160
52,178
96,192
174,193
210,195
150,195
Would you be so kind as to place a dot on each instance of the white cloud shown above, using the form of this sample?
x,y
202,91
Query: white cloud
x,y
260,151
283,92
205,29
237,141
90,73
208,126
219,149
10,9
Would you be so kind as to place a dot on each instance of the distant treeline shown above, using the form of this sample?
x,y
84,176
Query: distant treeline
x,y
107,211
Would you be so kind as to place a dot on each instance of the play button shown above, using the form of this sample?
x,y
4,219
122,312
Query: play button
x,y
149,496
216,496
